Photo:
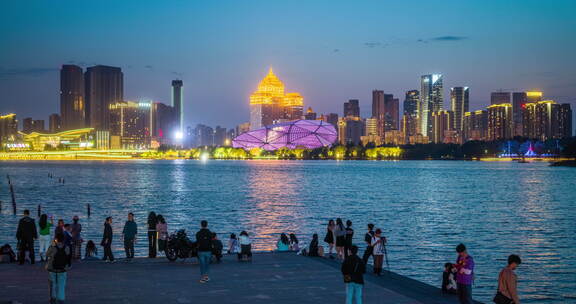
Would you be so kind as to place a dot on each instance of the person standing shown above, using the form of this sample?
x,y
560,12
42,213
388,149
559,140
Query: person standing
x,y
76,230
245,246
58,260
59,228
348,238
329,238
26,234
353,269
340,234
107,240
129,234
368,240
507,281
162,229
44,238
204,243
152,236
378,243
464,274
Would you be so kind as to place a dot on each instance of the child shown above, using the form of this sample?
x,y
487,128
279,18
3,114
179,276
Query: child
x,y
448,282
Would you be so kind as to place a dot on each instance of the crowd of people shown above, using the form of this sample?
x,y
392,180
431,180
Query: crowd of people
x,y
64,246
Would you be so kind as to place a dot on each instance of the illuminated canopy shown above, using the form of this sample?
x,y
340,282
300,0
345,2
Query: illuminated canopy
x,y
307,134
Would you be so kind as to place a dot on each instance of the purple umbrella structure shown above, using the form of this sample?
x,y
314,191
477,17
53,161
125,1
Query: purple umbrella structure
x,y
309,134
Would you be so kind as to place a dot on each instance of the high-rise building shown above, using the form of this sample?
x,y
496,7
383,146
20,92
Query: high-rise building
x,y
354,131
475,125
332,118
391,112
500,121
204,135
378,111
431,100
459,101
30,125
411,102
269,103
442,125
519,99
546,119
242,128
565,120
219,136
164,122
533,96
499,97
310,114
54,123
72,102
178,104
8,129
104,85
352,108
410,118
132,123
371,127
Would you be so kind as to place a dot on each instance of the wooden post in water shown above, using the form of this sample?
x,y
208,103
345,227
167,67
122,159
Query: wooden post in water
x,y
39,210
13,199
0,207
88,209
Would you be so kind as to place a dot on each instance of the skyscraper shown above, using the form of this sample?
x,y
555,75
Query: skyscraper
x,y
519,99
500,121
178,105
565,120
132,123
352,108
475,125
104,85
72,102
332,118
391,112
54,123
533,96
499,97
410,117
442,124
546,119
459,101
411,102
431,100
378,112
8,128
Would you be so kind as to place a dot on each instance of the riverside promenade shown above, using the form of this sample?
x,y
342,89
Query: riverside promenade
x,y
269,278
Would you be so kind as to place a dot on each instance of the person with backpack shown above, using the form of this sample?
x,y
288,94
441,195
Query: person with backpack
x,y
58,260
368,240
107,240
464,274
353,269
26,234
129,233
507,283
204,243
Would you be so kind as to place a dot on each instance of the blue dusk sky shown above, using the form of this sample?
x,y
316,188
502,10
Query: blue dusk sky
x,y
329,51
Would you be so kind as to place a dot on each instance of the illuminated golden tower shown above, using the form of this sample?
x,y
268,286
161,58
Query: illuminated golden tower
x,y
269,103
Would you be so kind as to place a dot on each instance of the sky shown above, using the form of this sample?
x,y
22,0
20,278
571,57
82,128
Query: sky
x,y
329,51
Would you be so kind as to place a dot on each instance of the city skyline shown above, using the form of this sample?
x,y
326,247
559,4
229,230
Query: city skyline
x,y
327,71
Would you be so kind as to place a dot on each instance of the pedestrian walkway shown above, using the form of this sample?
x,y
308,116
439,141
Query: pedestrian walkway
x,y
270,278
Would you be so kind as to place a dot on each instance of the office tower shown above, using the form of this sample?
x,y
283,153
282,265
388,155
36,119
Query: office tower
x,y
499,97
378,111
411,102
459,101
72,102
310,114
204,136
475,125
431,100
565,120
352,108
219,136
178,105
391,112
442,126
519,99
332,118
164,122
104,85
533,96
131,123
269,103
8,129
354,131
500,121
371,127
54,123
27,125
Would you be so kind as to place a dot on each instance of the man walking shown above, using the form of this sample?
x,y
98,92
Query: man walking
x,y
107,240
353,269
58,260
129,233
204,243
26,234
507,281
368,240
464,274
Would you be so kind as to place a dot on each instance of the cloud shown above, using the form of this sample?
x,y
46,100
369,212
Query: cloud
x,y
148,67
33,71
449,38
335,50
372,44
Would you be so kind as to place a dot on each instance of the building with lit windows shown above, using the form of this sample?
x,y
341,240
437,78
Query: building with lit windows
x,y
431,100
459,102
352,108
72,97
269,103
500,121
8,129
475,125
547,119
442,125
310,114
54,123
79,139
391,113
378,111
533,96
499,97
565,120
131,122
104,85
178,106
519,99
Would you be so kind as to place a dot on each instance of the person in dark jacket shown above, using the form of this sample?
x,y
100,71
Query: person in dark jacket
x,y
368,240
152,235
107,240
348,238
217,247
26,234
204,243
315,250
58,260
129,233
353,269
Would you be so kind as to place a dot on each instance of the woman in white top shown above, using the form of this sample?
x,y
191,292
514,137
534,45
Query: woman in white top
x,y
245,247
378,243
233,244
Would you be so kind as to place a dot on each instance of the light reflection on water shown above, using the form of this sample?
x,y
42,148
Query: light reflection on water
x,y
425,208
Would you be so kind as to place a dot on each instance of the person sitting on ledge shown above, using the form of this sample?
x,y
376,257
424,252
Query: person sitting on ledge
x,y
91,252
448,281
314,250
283,243
233,244
294,243
245,247
216,247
